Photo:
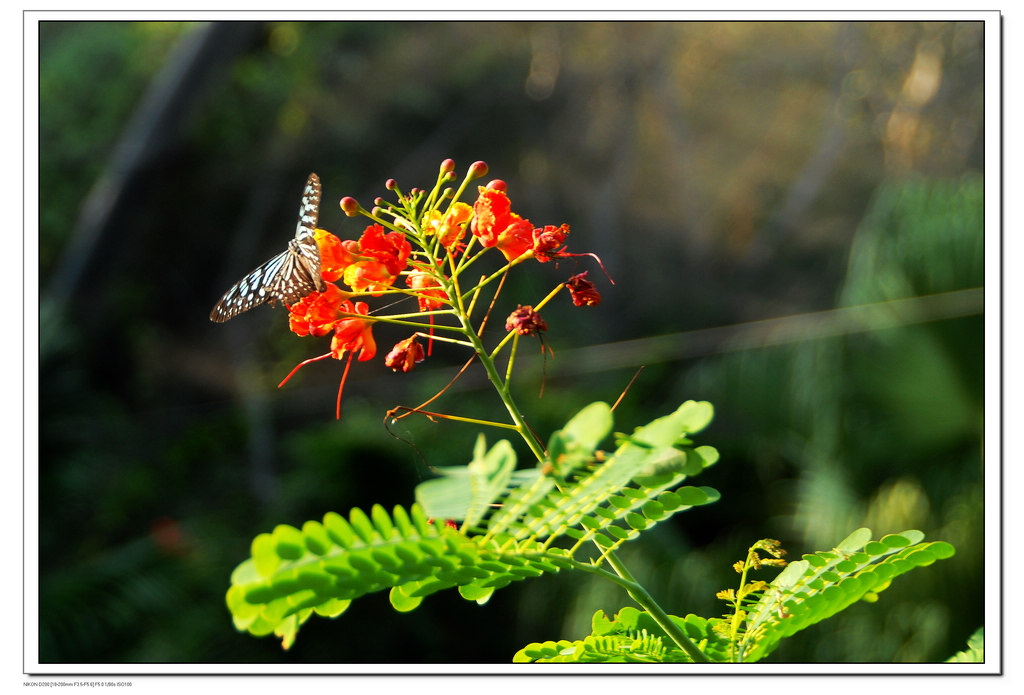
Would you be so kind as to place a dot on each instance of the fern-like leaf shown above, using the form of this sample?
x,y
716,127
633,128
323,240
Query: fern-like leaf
x,y
820,585
321,568
611,499
464,493
511,520
632,636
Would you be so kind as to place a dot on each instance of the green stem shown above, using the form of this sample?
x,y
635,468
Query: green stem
x,y
503,391
639,594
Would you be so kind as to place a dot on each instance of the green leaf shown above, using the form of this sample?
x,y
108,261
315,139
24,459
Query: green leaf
x,y
464,493
264,554
573,446
856,540
315,536
402,602
472,592
339,530
665,431
362,526
669,460
332,609
382,522
821,585
695,416
601,496
288,542
708,454
589,427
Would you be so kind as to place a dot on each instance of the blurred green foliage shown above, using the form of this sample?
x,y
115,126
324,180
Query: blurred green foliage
x,y
724,172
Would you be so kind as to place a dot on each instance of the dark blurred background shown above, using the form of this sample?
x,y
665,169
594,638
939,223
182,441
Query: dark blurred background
x,y
747,186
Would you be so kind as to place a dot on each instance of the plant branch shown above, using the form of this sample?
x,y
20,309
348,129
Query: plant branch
x,y
639,594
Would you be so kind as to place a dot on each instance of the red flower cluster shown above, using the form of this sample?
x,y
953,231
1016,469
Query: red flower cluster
x,y
494,224
374,263
318,313
371,264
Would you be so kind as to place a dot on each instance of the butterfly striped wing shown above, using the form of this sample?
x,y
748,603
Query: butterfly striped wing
x,y
287,277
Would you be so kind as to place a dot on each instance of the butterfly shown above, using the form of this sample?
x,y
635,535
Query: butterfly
x,y
288,276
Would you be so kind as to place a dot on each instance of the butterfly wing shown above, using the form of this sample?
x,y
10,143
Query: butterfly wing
x,y
287,277
250,291
304,247
309,209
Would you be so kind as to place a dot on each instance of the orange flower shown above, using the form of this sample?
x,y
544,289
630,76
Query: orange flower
x,y
496,225
430,294
492,213
431,222
333,257
454,226
516,239
369,276
450,227
316,313
375,261
352,333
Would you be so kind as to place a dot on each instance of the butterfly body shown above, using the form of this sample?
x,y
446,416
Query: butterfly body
x,y
287,277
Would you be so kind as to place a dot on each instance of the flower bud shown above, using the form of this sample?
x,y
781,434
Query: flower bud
x,y
391,184
498,185
350,206
447,166
476,170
